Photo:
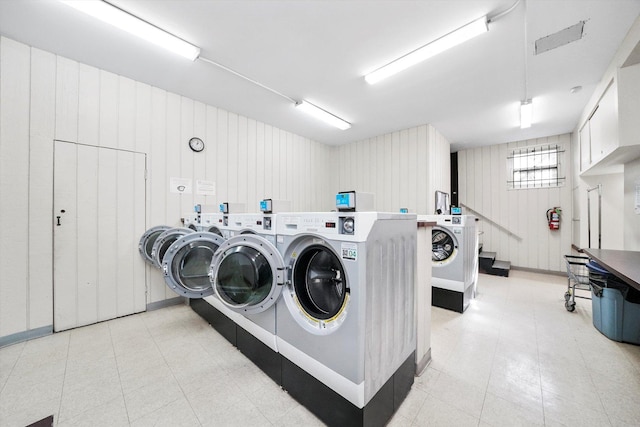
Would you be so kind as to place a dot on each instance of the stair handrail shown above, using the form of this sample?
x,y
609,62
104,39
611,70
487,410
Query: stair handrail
x,y
501,227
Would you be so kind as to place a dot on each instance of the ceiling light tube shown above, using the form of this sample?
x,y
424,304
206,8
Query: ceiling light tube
x,y
323,115
136,26
454,38
526,113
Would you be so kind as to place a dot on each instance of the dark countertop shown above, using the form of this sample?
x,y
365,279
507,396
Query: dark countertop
x,y
623,264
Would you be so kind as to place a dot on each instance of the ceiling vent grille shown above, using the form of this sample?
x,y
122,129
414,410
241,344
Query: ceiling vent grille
x,y
566,36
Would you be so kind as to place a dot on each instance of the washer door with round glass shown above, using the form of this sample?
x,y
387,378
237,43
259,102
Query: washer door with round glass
x,y
444,246
247,273
164,241
318,295
186,264
145,246
214,229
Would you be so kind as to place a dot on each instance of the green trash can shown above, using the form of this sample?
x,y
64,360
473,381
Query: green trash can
x,y
615,305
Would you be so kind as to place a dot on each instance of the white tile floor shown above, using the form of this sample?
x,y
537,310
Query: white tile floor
x,y
515,357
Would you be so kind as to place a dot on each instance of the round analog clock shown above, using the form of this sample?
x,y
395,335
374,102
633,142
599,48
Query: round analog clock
x,y
196,144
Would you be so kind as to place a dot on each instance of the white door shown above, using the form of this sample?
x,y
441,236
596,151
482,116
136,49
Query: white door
x,y
98,217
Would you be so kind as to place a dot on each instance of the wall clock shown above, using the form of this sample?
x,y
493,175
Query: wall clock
x,y
196,144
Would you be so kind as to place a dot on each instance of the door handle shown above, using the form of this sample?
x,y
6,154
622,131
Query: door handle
x,y
58,218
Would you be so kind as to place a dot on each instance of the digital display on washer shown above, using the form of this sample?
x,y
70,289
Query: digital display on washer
x,y
265,205
329,225
456,210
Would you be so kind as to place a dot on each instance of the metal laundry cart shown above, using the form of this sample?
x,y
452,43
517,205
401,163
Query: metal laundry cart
x,y
577,279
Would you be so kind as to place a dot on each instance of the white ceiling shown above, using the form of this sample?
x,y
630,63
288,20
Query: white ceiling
x,y
319,51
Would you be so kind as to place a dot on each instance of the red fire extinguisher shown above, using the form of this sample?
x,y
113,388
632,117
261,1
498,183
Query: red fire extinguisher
x,y
553,218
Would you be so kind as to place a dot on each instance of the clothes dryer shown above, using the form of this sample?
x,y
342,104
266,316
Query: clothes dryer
x,y
145,245
454,260
345,320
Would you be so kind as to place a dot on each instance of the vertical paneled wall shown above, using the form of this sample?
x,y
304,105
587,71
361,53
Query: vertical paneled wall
x,y
631,209
44,97
513,222
403,169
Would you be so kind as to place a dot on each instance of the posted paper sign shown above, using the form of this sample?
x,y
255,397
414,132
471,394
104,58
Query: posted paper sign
x,y
180,185
205,188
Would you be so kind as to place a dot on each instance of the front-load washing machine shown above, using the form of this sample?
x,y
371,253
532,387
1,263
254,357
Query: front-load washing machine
x,y
247,273
212,223
186,271
145,245
164,241
192,221
229,224
454,260
345,320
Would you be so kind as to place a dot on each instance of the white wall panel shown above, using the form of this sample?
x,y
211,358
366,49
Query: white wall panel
x,y
187,156
244,173
126,114
212,162
482,174
252,161
222,160
89,105
158,185
402,169
631,217
15,63
67,83
46,97
42,129
174,208
108,110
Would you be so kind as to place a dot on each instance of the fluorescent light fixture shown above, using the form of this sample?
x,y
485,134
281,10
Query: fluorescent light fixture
x,y
133,25
454,38
526,113
323,115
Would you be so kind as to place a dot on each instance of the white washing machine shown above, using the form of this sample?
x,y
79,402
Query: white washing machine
x,y
164,241
454,260
247,273
212,223
192,221
230,225
345,321
186,271
145,245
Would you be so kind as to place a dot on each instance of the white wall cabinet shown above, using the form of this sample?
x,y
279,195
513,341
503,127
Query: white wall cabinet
x,y
610,136
603,126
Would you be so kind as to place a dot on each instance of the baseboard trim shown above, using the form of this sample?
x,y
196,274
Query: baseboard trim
x,y
167,303
26,335
537,270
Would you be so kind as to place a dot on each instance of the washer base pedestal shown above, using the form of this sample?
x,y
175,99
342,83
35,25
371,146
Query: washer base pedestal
x,y
451,300
221,323
335,410
260,354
